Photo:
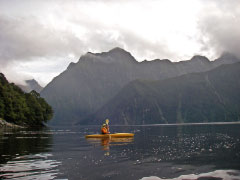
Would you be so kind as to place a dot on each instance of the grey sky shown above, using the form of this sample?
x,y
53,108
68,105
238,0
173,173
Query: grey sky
x,y
39,38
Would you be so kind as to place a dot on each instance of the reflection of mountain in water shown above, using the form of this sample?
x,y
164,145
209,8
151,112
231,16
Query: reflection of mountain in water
x,y
25,155
23,143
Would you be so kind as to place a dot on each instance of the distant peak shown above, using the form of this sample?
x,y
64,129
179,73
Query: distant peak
x,y
199,57
117,49
227,58
31,81
227,55
120,51
114,50
30,85
114,55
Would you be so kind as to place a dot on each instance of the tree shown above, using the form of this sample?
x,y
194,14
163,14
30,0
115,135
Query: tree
x,y
21,108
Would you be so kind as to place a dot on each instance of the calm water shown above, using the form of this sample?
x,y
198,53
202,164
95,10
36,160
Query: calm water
x,y
157,152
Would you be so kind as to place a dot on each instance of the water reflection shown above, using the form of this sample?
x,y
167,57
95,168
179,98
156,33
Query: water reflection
x,y
36,166
107,142
188,145
26,154
165,152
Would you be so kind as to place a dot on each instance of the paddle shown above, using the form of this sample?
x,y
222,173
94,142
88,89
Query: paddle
x,y
107,121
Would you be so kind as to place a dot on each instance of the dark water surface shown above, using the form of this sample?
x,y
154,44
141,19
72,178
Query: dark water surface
x,y
207,151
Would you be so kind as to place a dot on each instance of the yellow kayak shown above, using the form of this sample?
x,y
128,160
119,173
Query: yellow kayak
x,y
115,135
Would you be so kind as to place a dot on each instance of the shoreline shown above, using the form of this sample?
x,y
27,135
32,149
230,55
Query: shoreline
x,y
172,124
5,124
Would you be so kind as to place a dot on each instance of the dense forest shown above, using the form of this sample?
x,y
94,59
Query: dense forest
x,y
26,109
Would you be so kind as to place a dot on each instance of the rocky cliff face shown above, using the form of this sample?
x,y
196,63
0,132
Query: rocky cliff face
x,y
96,78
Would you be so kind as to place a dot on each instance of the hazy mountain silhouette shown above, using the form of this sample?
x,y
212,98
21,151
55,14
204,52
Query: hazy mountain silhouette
x,y
31,85
212,96
87,85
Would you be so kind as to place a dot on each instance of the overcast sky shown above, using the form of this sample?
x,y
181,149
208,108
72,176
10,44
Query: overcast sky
x,y
39,38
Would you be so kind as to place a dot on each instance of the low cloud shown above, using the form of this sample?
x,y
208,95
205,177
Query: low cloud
x,y
219,26
25,38
48,32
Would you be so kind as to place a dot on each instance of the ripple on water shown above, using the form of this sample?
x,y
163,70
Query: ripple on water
x,y
215,175
37,166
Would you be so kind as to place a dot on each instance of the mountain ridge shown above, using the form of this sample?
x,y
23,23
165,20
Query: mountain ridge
x,y
211,96
87,85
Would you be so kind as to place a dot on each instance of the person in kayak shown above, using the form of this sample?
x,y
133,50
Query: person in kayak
x,y
105,128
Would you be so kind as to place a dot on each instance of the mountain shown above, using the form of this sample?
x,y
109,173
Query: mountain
x,y
31,85
226,58
27,109
212,96
87,85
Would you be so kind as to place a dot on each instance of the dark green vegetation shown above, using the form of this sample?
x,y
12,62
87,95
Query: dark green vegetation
x,y
27,109
90,83
212,96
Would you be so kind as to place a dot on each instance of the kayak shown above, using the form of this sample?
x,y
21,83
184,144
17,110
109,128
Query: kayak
x,y
115,135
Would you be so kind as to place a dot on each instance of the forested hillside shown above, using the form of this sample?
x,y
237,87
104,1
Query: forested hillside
x,y
27,109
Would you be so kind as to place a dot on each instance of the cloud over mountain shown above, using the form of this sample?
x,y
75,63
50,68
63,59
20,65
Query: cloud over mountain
x,y
219,27
47,32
